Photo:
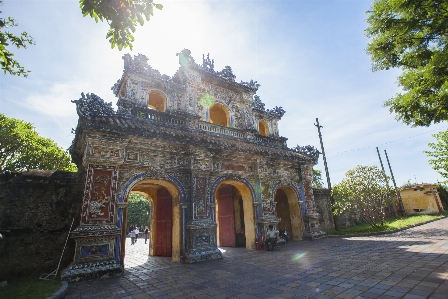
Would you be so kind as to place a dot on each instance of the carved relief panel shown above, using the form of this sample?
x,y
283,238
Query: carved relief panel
x,y
267,203
99,195
200,203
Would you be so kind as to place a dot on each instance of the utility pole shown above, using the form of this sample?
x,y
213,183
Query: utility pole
x,y
335,219
387,181
403,212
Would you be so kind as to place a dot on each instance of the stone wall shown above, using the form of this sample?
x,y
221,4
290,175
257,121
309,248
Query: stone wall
x,y
36,210
322,199
322,202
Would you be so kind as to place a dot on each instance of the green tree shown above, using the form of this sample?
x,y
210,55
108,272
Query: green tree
x,y
443,193
9,64
363,191
412,35
139,211
439,155
21,148
122,16
317,179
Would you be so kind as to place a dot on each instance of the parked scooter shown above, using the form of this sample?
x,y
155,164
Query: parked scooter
x,y
275,245
283,234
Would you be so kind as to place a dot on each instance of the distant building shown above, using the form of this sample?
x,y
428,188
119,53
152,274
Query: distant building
x,y
421,199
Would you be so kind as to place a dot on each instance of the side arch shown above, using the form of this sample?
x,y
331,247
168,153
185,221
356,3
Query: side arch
x,y
219,114
178,194
294,206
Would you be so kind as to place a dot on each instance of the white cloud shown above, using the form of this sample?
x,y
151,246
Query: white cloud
x,y
56,101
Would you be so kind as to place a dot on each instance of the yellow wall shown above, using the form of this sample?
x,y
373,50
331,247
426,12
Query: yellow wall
x,y
415,201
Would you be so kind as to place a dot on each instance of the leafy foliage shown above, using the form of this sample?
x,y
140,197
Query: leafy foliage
x,y
443,193
21,148
363,191
412,35
317,179
9,64
122,16
439,157
139,211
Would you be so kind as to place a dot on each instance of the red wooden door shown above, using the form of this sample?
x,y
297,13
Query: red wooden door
x,y
163,215
226,217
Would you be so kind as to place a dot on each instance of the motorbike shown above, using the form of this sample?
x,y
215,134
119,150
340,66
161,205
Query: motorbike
x,y
283,234
275,245
280,242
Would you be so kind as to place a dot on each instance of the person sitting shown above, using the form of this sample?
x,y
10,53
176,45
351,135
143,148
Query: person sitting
x,y
271,237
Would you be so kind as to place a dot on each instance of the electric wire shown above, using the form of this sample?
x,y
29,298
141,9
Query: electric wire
x,y
393,141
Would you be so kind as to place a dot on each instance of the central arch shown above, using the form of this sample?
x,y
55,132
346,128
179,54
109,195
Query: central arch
x,y
240,195
219,115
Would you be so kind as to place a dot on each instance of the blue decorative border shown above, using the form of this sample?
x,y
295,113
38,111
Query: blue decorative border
x,y
202,239
302,199
302,205
142,176
86,251
273,190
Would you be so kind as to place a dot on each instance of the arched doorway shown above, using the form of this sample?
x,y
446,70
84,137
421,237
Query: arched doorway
x,y
263,128
219,115
235,216
165,225
287,208
157,101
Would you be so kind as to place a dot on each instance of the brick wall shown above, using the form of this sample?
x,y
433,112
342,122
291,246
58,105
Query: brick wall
x,y
36,210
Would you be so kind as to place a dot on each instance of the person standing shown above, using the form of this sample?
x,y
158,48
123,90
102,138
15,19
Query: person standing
x,y
136,233
132,236
146,233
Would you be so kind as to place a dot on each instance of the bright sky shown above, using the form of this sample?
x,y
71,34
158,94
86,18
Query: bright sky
x,y
308,55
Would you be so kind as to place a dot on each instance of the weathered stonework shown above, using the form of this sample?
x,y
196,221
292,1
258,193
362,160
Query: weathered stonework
x,y
323,207
36,211
184,138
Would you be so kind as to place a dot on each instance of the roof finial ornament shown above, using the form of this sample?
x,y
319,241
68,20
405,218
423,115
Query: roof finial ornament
x,y
208,64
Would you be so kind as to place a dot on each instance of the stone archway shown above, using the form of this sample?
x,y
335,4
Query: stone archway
x,y
245,193
287,208
151,187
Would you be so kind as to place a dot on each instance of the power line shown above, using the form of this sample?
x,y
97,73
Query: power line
x,y
369,147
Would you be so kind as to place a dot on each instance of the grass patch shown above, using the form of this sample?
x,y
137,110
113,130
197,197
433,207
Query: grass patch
x,y
389,224
29,288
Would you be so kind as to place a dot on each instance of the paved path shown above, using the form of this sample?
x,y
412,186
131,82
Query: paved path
x,y
410,264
